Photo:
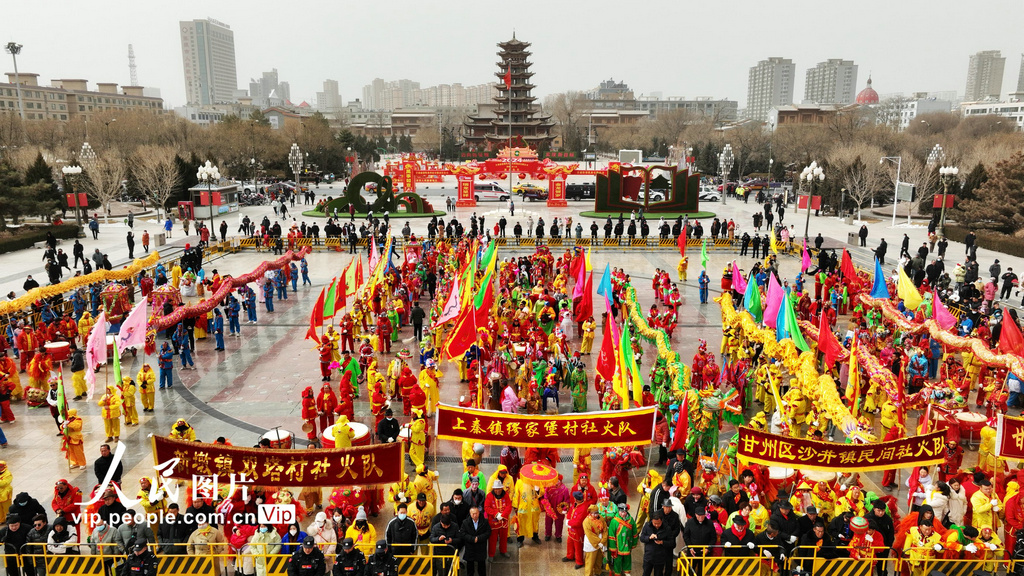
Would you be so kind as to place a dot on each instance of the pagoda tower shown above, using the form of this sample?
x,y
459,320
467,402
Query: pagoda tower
x,y
529,126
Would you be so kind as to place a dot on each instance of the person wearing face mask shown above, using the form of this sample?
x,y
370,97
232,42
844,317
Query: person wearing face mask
x,y
206,540
323,533
340,521
131,532
173,532
351,561
102,538
265,541
446,534
362,533
460,509
401,534
292,539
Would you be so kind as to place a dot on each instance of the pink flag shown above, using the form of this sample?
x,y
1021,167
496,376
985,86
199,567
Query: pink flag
x,y
807,258
581,279
373,253
739,283
133,329
95,351
942,315
452,307
775,295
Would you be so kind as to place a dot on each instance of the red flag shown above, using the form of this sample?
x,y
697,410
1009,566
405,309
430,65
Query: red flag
x,y
341,290
359,270
316,319
846,266
827,343
914,481
508,77
681,242
1010,339
682,426
585,308
605,367
574,265
463,333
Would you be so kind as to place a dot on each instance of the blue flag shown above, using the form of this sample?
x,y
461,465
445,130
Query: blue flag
x,y
781,330
605,287
879,289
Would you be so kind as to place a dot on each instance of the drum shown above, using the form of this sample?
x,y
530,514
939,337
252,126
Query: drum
x,y
815,476
362,437
327,438
279,439
59,351
970,426
780,479
404,435
110,347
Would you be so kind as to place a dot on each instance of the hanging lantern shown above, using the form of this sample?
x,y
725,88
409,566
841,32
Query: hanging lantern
x,y
522,176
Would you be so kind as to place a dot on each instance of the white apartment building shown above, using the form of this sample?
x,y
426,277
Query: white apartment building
x,y
984,76
769,84
833,81
208,56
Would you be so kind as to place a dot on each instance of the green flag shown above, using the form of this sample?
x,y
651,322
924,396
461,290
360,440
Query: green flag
x,y
353,367
704,254
329,300
62,402
752,300
791,324
117,366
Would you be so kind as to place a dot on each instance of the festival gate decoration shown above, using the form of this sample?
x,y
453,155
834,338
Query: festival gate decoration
x,y
585,430
359,466
775,450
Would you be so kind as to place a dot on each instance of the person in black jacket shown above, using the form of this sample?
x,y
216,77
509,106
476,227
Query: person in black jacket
x,y
445,533
401,533
460,508
699,535
735,498
13,538
350,561
787,521
659,544
307,560
695,500
738,541
141,561
806,522
26,506
476,530
388,428
112,511
672,523
816,543
660,494
883,522
772,544
173,532
381,562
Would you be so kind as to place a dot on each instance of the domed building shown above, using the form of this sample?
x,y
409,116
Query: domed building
x,y
868,95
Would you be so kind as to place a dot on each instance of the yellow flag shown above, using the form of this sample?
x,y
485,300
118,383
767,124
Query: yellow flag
x,y
907,292
774,249
853,383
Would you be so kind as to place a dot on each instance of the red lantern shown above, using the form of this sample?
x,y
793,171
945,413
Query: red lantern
x,y
522,176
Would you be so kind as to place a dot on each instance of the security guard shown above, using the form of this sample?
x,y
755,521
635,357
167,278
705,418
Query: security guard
x,y
351,561
140,562
382,562
307,560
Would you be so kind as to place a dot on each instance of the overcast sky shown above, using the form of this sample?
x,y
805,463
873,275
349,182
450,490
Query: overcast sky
x,y
680,48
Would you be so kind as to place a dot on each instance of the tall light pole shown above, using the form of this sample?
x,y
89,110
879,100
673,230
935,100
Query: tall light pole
x,y
725,160
811,174
295,161
13,48
895,193
948,175
107,124
69,173
209,174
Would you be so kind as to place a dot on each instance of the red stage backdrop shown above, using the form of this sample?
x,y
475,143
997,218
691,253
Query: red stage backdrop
x,y
586,429
360,466
774,450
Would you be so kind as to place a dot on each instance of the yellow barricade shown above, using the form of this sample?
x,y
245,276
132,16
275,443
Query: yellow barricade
x,y
277,564
332,242
961,567
719,565
414,565
185,565
249,242
74,564
666,242
501,241
527,241
611,241
834,567
638,242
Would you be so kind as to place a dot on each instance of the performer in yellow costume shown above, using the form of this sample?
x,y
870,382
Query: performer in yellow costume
x,y
146,379
589,327
527,508
131,415
343,433
430,382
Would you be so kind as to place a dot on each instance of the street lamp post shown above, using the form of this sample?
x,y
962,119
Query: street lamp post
x,y
13,48
725,160
295,161
811,174
69,173
896,189
209,174
948,175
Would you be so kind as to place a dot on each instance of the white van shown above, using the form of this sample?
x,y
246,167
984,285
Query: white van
x,y
489,191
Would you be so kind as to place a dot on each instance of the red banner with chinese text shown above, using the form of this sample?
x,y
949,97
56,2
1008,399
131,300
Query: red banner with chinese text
x,y
774,450
1010,438
587,429
358,466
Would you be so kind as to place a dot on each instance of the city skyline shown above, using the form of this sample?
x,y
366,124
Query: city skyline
x,y
415,50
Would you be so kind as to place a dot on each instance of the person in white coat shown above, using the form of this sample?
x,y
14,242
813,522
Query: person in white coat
x,y
957,502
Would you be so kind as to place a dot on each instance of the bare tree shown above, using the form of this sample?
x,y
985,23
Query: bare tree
x,y
567,109
104,181
856,167
157,173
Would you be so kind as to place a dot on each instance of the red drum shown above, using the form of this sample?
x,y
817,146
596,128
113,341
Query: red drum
x,y
970,426
59,351
327,438
404,435
779,479
279,439
110,347
362,431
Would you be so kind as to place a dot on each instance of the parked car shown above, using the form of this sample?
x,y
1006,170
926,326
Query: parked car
x,y
585,191
526,187
755,185
489,191
657,195
709,194
732,187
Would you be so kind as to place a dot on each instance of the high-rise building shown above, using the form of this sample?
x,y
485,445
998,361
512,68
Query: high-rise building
x,y
984,76
330,99
1018,94
833,81
516,116
208,55
284,91
770,83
